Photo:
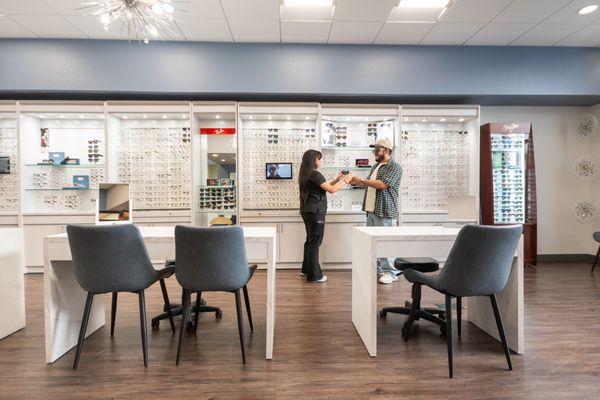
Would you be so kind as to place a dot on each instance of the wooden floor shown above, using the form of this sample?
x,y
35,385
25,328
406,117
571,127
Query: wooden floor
x,y
318,354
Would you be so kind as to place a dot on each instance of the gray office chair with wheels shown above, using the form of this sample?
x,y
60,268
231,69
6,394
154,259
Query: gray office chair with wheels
x,y
479,264
113,259
597,239
212,260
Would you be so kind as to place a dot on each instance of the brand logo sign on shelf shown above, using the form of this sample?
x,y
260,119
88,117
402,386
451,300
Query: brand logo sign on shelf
x,y
217,131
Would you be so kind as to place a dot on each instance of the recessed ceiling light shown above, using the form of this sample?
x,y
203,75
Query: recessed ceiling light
x,y
125,117
443,120
588,9
424,3
223,160
215,155
164,116
217,116
461,120
308,3
307,117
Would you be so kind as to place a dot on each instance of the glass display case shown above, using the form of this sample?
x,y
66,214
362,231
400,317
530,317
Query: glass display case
x,y
9,164
277,136
62,157
508,188
435,157
346,137
214,160
152,152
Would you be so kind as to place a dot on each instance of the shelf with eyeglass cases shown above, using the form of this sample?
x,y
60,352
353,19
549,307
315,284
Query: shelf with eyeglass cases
x,y
216,211
59,189
66,165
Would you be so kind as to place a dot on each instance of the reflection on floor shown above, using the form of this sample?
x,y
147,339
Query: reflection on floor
x,y
317,351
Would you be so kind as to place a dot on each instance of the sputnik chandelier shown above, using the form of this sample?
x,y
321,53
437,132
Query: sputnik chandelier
x,y
141,19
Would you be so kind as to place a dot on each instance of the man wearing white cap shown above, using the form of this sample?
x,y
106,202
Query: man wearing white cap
x,y
381,197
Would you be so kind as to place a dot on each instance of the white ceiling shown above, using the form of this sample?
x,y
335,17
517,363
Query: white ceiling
x,y
466,22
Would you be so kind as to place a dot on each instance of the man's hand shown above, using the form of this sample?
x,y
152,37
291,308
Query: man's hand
x,y
355,181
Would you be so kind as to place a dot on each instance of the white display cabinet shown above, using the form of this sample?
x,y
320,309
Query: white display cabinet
x,y
214,163
440,160
149,147
64,191
347,132
9,166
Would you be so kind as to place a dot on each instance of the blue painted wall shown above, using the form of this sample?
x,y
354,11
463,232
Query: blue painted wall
x,y
493,75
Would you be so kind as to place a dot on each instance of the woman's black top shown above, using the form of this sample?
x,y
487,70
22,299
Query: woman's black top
x,y
317,197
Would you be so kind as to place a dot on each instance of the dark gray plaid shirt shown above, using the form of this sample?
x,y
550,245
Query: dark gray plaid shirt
x,y
386,200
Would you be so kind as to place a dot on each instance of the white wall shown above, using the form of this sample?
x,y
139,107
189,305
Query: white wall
x,y
557,145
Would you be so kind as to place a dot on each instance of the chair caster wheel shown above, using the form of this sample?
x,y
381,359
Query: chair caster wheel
x,y
218,314
383,314
405,331
155,324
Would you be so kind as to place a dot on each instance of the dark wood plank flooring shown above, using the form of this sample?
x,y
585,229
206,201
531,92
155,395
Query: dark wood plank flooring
x,y
318,354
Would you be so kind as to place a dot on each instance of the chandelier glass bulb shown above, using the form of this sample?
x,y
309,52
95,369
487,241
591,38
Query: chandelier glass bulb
x,y
139,19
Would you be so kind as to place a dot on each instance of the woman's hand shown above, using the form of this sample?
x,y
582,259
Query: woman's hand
x,y
348,177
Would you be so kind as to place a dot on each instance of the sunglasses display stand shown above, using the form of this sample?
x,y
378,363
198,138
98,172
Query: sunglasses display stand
x,y
214,163
9,181
508,180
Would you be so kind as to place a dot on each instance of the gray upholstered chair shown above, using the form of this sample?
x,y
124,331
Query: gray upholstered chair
x,y
479,264
113,259
212,260
597,239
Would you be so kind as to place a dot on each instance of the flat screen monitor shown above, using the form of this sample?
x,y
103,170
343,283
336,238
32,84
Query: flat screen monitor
x,y
113,205
278,170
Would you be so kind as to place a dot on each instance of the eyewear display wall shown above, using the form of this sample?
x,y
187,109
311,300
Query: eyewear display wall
x,y
65,155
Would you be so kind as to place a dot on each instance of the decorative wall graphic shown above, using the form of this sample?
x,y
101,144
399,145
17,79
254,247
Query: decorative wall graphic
x,y
587,125
9,193
585,211
586,168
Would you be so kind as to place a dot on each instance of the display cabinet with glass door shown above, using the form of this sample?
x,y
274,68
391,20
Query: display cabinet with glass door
x,y
150,148
438,148
214,151
9,166
62,158
347,134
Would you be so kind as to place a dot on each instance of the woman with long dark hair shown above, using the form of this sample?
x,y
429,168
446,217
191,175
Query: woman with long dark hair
x,y
313,207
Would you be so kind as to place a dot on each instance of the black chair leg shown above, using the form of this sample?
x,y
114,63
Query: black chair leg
x,y
197,313
596,260
501,329
247,301
458,314
184,318
163,289
113,314
83,328
238,306
415,306
143,327
449,332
